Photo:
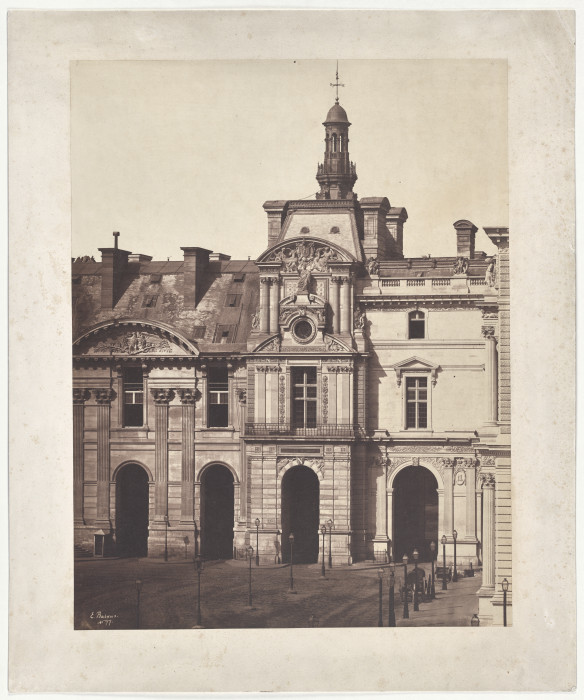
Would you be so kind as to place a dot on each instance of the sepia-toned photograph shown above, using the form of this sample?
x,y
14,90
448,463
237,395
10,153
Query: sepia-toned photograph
x,y
291,344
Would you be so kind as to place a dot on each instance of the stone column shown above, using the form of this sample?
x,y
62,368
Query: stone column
x,y
274,304
162,397
471,528
103,398
381,539
264,305
390,521
335,304
448,499
80,396
346,306
488,585
488,333
187,398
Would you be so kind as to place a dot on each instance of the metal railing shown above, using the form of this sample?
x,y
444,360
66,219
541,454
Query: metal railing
x,y
318,430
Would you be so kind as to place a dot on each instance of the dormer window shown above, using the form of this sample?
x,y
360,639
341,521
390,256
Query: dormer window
x,y
416,325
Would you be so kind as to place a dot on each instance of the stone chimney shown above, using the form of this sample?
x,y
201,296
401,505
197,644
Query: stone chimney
x,y
376,243
276,212
395,220
196,261
114,263
465,239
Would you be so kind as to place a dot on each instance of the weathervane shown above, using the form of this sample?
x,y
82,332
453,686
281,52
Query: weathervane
x,y
337,85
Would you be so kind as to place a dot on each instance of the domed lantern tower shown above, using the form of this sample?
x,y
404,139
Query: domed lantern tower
x,y
337,175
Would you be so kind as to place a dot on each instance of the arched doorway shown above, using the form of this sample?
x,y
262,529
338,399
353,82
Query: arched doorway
x,y
300,496
415,515
132,511
217,513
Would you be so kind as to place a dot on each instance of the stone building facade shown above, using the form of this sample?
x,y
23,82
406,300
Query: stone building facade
x,y
219,404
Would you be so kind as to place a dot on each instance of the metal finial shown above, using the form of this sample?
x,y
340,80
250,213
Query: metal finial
x,y
336,84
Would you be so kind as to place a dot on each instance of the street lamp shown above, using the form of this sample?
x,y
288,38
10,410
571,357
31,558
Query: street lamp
x,y
416,603
391,621
380,618
250,554
330,529
406,609
198,569
323,571
505,587
257,522
454,573
432,586
138,589
444,585
291,540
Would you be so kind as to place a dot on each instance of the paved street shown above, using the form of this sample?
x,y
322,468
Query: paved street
x,y
106,596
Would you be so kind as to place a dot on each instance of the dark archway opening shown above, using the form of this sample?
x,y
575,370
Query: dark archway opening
x,y
415,516
132,511
300,497
217,513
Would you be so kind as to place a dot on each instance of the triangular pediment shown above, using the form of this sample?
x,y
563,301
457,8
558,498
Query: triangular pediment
x,y
415,364
130,338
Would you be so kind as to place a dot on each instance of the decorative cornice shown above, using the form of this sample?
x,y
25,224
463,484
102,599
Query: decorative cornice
x,y
339,368
268,368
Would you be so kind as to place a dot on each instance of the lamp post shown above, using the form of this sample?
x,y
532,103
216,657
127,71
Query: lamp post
x,y
380,616
505,587
416,603
250,554
454,574
391,621
443,540
138,589
198,569
257,523
406,609
323,570
432,586
291,540
330,529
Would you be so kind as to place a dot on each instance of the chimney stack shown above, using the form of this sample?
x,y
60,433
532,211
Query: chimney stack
x,y
196,260
114,262
465,239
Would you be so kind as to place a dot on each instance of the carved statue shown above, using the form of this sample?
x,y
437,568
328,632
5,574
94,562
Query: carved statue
x,y
255,320
372,266
303,285
490,274
460,266
359,318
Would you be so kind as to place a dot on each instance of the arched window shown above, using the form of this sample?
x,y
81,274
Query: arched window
x,y
416,324
334,143
340,143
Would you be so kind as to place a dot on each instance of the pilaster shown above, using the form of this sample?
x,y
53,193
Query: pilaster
x,y
80,396
188,398
103,398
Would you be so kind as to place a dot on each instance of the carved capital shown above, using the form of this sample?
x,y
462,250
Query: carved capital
x,y
187,396
104,396
162,396
488,332
242,396
488,481
445,462
80,396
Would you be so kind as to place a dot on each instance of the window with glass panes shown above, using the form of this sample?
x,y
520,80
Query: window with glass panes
x,y
304,397
416,402
417,324
133,397
218,383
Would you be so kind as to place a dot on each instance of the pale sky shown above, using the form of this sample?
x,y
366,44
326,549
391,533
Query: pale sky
x,y
178,154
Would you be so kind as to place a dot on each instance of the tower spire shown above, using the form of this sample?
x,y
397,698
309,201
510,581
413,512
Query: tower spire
x,y
336,84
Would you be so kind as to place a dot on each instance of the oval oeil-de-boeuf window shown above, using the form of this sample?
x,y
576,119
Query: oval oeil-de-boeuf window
x,y
303,330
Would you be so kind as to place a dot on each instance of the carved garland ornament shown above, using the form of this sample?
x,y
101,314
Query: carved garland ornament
x,y
325,399
282,398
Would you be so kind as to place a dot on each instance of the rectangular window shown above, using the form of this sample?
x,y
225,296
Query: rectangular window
x,y
224,334
198,332
133,397
149,301
238,276
416,402
304,397
218,380
233,300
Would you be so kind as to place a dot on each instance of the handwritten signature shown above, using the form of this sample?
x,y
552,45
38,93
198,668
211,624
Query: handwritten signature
x,y
102,618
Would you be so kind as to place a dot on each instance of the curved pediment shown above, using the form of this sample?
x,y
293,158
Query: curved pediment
x,y
131,337
297,254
